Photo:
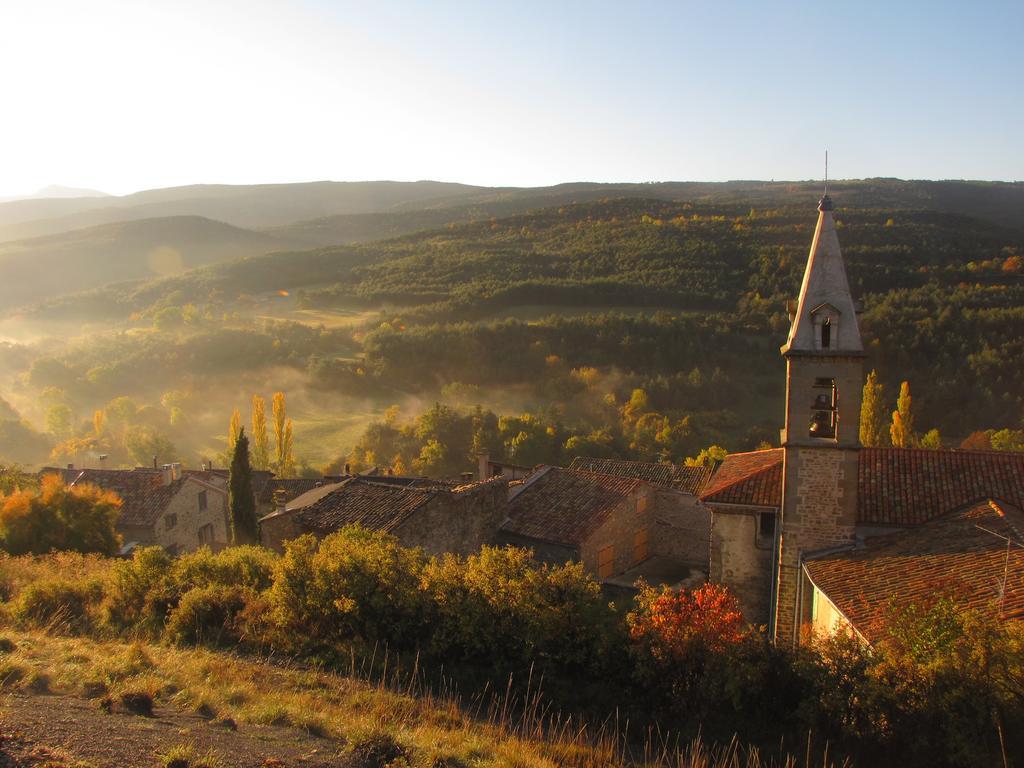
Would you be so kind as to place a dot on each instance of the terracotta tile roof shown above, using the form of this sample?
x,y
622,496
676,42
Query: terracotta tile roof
x,y
377,506
688,479
905,567
907,486
565,506
143,491
753,478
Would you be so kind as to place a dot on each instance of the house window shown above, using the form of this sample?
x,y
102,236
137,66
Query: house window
x,y
766,525
605,562
170,521
202,501
640,546
826,333
206,535
824,408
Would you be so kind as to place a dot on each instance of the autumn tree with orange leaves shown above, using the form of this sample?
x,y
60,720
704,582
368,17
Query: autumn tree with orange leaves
x,y
58,517
673,624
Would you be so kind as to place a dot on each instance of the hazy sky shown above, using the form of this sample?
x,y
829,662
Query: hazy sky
x,y
130,95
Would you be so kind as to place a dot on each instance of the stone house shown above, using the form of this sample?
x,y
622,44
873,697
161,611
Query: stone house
x,y
822,534
179,511
743,496
487,467
436,517
602,521
680,526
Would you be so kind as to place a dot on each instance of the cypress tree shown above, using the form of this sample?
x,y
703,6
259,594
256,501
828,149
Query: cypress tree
x,y
244,527
872,412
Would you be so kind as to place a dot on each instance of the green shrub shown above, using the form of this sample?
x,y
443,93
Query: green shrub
x,y
354,585
208,615
500,607
248,566
57,605
139,593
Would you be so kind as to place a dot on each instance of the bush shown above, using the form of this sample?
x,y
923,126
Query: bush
x,y
209,615
59,517
139,593
355,585
503,609
144,592
62,606
249,566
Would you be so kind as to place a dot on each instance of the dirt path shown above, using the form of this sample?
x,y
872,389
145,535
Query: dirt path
x,y
67,731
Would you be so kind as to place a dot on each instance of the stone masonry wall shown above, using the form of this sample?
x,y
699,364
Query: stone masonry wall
x,y
459,523
184,535
741,560
276,530
681,528
634,514
818,513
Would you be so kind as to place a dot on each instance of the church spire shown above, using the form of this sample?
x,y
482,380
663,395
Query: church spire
x,y
825,319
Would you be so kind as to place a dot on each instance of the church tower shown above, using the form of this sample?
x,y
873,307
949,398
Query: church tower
x,y
821,438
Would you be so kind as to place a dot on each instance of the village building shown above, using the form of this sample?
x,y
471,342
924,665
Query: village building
x,y
180,511
487,468
436,517
680,526
604,521
823,535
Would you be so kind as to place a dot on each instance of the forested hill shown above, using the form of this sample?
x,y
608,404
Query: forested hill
x,y
563,311
618,252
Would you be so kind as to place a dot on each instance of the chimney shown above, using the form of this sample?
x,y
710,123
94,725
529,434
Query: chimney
x,y
347,470
71,466
154,462
467,477
484,466
280,500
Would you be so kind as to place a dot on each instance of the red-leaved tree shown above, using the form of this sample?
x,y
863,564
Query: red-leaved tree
x,y
674,624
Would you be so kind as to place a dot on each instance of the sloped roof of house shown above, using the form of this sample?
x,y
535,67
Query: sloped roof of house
x,y
377,506
681,478
896,486
949,554
908,486
565,506
753,478
293,487
144,492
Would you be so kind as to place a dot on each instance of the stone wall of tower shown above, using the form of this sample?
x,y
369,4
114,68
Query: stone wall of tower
x,y
819,511
741,557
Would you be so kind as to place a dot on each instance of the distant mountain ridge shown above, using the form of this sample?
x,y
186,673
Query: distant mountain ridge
x,y
302,206
264,205
48,266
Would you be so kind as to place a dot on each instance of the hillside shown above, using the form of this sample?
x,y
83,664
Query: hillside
x,y
262,205
42,267
278,205
549,312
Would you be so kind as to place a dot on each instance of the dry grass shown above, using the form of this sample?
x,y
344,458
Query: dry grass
x,y
419,728
17,572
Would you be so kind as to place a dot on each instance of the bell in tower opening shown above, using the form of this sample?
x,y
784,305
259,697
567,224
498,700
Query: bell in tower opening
x,y
823,409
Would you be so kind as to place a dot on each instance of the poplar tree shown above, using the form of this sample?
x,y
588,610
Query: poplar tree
x,y
902,429
242,503
234,430
284,464
872,412
260,439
